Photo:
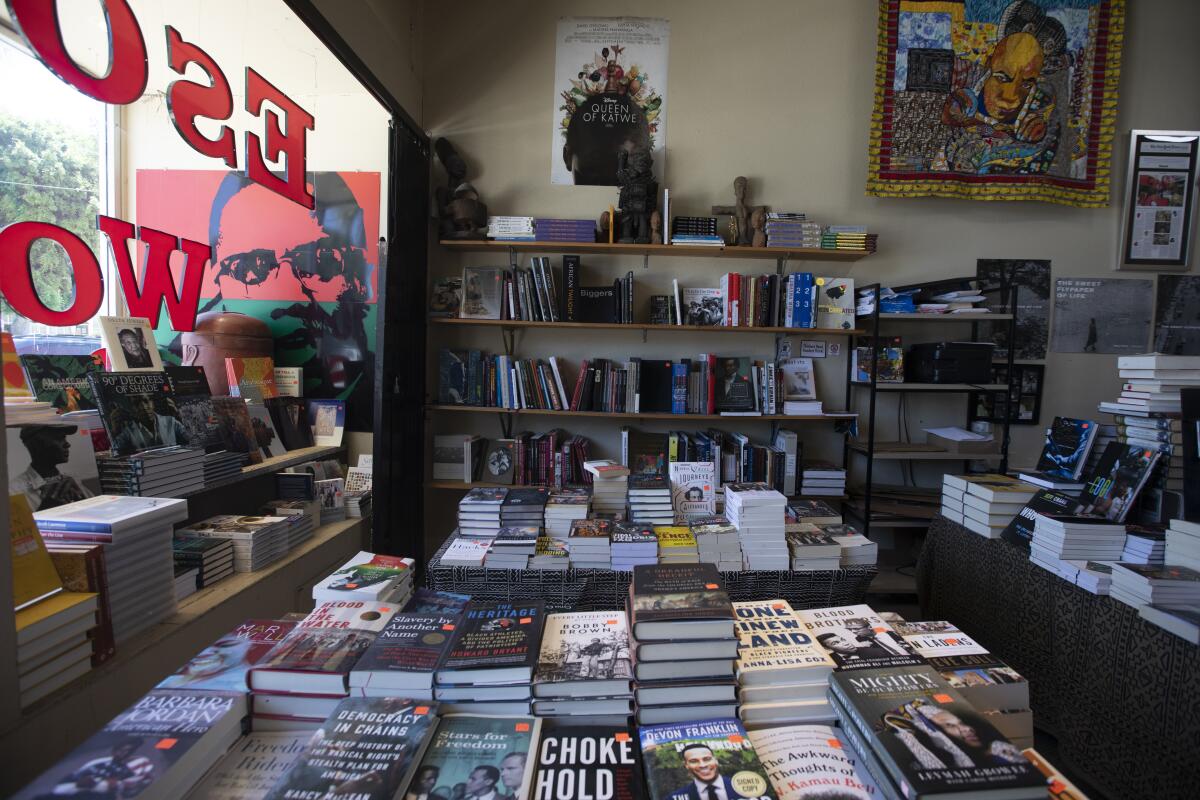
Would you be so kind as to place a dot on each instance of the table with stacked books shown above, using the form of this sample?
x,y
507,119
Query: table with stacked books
x,y
1121,694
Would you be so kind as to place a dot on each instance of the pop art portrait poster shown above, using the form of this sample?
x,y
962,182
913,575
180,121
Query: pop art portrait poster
x,y
610,88
311,276
996,99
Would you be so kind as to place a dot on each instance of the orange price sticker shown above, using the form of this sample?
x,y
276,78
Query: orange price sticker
x,y
942,698
735,738
711,586
610,622
449,626
421,710
522,727
1057,787
952,641
351,585
834,743
165,744
879,629
526,620
384,609
777,606
621,736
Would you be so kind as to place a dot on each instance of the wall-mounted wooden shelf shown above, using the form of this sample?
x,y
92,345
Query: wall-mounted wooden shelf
x,y
639,415
517,324
461,486
914,317
935,387
890,451
693,251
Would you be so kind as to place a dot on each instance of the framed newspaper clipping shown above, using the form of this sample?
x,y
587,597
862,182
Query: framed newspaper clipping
x,y
1160,202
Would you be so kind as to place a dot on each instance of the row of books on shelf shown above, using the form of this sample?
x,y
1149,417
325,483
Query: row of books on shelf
x,y
708,384
683,693
552,458
536,293
953,296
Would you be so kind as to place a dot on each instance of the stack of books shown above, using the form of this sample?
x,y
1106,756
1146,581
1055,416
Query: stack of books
x,y
988,501
1065,538
1183,544
53,642
821,478
676,545
304,516
818,512
563,507
524,507
584,667
848,237
813,550
696,231
1064,455
512,548
186,579
589,543
792,231
683,639
402,659
550,554
358,503
717,542
783,674
511,229
1144,546
1093,576
368,576
609,486
489,664
1142,585
756,510
138,557
222,466
650,500
466,551
857,550
300,681
257,541
1181,620
1163,435
564,230
479,512
212,558
1152,383
633,544
167,472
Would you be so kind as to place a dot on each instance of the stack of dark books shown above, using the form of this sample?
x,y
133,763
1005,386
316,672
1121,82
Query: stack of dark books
x,y
222,466
792,231
683,642
212,558
589,543
489,665
512,547
650,500
257,541
696,231
524,507
402,659
296,485
165,472
479,512
564,230
303,518
563,507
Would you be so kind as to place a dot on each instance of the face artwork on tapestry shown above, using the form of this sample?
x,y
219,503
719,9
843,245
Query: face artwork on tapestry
x,y
995,100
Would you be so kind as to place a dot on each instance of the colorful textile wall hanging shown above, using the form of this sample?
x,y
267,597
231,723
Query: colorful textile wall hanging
x,y
996,99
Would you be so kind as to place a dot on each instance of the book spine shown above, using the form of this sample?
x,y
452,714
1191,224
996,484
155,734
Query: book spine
x,y
577,394
570,285
735,295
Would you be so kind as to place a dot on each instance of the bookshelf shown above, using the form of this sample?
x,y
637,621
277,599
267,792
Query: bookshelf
x,y
646,250
517,324
546,412
463,486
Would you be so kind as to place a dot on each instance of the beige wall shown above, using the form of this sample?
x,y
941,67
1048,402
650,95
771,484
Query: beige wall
x,y
779,91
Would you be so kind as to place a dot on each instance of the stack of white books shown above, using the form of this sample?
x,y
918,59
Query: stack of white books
x,y
1143,546
465,551
257,541
757,511
717,542
303,518
650,500
1093,576
1143,585
1183,544
821,478
138,555
609,486
162,472
783,674
1075,539
185,581
511,229
479,511
632,544
512,548
989,501
813,550
589,544
952,498
857,550
563,507
1152,384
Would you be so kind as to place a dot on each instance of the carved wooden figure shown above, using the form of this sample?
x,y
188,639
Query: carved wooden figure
x,y
740,213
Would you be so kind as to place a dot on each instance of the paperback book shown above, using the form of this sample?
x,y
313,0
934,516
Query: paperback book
x,y
130,344
61,380
251,378
138,411
51,465
193,398
327,420
693,489
235,428
291,421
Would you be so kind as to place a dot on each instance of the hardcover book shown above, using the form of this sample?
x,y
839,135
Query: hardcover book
x,y
799,382
1113,484
734,389
289,381
193,398
51,465
269,442
495,643
928,738
138,411
130,344
834,303
327,419
61,380
984,680
482,293
372,744
679,601
1020,530
564,772
235,428
291,421
855,637
693,489
224,663
33,573
584,653
446,298
702,307
405,654
812,762
366,576
250,378
1068,442
686,761
494,756
431,601
82,569
252,766
596,304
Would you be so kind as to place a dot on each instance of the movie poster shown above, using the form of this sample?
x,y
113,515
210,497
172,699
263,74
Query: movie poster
x,y
610,88
1101,315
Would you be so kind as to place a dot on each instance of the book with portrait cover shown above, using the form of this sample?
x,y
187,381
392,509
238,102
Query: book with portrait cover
x,y
494,643
251,378
61,380
51,465
253,765
193,398
562,771
799,382
138,411
734,389
291,421
154,748
494,756
693,489
584,654
224,663
404,656
130,344
327,419
702,307
928,738
855,637
811,762
684,761
679,601
235,428
372,744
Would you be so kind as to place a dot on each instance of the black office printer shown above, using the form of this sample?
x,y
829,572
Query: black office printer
x,y
949,362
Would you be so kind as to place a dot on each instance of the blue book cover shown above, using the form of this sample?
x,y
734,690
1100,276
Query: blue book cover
x,y
679,382
806,300
1068,442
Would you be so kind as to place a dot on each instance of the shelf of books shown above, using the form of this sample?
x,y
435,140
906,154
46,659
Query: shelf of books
x,y
638,414
916,316
463,486
519,324
274,464
690,251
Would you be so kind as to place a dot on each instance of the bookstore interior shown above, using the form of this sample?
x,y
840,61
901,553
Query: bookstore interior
x,y
841,443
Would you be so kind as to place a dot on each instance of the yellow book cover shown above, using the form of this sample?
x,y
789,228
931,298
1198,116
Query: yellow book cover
x,y
14,377
59,603
34,576
612,224
251,378
674,536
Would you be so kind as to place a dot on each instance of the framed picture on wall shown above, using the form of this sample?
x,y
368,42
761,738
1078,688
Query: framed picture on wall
x,y
1021,404
1157,228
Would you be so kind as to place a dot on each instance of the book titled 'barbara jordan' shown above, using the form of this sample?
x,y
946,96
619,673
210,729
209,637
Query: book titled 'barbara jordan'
x,y
494,643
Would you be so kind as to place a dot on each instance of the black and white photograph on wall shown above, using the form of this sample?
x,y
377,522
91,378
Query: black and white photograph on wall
x,y
1030,278
51,465
1177,318
1023,403
1101,315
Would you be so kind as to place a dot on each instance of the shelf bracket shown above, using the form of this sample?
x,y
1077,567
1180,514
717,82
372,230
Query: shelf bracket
x,y
509,335
644,332
646,260
506,420
512,257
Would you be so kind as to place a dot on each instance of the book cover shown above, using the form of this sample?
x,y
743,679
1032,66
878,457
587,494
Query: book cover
x,y
141,746
671,592
15,385
446,298
834,303
51,465
491,757
499,463
130,344
366,576
482,293
596,304
289,381
687,761
1068,442
291,421
269,442
811,762
734,387
138,411
1020,530
251,378
193,398
497,635
253,765
329,640
855,637
223,664
768,623
799,381
563,770
647,453
432,601
1113,484
327,419
702,307
82,569
368,749
33,573
61,380
235,428
109,515
693,489
584,646
358,479
927,737
409,643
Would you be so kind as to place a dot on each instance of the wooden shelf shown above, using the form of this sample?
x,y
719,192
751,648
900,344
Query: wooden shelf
x,y
272,465
888,451
913,316
693,251
935,387
648,415
516,324
460,486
